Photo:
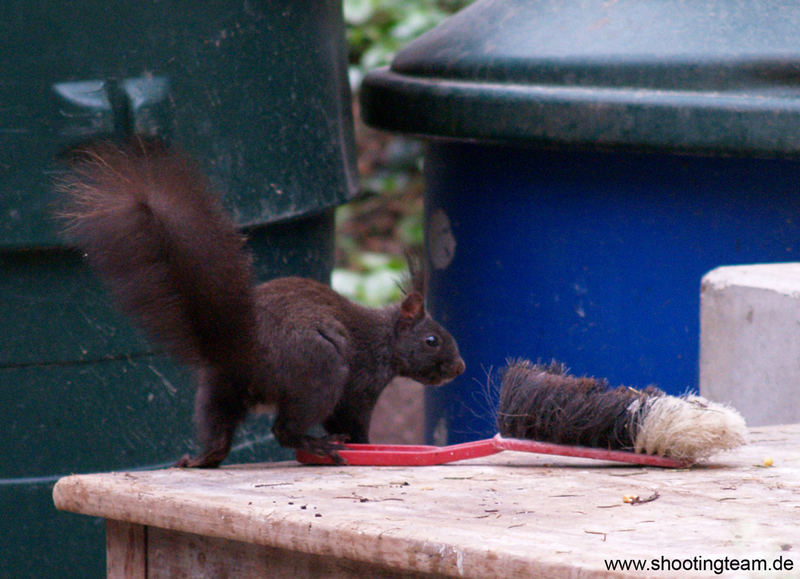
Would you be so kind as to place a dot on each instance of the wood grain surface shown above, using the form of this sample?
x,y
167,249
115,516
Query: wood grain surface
x,y
509,515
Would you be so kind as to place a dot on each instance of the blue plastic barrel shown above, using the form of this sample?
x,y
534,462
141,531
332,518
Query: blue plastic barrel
x,y
587,163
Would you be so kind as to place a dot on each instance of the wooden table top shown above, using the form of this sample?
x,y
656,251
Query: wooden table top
x,y
509,515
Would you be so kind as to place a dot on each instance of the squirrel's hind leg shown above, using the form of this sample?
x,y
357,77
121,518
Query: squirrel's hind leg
x,y
329,445
296,415
350,423
219,408
313,384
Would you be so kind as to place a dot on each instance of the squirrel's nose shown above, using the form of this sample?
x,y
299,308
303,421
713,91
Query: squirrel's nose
x,y
458,367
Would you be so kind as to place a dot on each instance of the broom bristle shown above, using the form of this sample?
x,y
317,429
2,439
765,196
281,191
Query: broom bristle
x,y
688,428
547,404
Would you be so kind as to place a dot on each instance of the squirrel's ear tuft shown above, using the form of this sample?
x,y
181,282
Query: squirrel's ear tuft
x,y
412,308
418,274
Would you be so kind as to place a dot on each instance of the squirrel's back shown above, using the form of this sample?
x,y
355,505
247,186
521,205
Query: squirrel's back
x,y
148,222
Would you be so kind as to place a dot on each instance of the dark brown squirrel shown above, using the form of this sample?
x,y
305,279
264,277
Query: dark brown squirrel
x,y
149,224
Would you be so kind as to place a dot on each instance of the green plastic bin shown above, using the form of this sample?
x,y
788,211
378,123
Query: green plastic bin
x,y
258,93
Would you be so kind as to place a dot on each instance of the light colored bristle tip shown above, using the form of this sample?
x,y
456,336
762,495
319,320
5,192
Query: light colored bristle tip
x,y
687,428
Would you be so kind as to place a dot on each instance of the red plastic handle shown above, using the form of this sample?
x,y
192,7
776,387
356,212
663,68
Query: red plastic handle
x,y
404,454
586,452
415,455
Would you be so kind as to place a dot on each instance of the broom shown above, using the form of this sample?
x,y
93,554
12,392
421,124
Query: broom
x,y
545,410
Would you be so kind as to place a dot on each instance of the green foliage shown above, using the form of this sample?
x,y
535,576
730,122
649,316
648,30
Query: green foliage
x,y
376,29
376,283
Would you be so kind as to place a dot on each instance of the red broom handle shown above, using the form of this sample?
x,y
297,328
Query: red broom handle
x,y
424,455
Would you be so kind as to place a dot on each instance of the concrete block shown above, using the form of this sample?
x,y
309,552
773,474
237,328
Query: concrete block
x,y
750,340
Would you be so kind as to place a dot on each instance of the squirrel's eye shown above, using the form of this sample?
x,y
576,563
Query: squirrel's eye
x,y
432,341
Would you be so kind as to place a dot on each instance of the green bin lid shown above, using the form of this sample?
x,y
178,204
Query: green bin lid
x,y
686,75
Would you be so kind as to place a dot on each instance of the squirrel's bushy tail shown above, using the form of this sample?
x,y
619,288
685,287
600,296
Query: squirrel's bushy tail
x,y
149,224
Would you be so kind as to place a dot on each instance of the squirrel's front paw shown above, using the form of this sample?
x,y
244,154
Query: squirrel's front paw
x,y
329,446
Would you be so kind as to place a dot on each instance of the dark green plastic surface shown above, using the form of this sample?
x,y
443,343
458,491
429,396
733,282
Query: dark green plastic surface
x,y
711,76
56,311
258,93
